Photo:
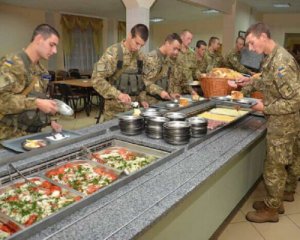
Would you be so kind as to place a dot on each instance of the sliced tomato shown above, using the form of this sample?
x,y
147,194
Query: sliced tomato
x,y
17,185
130,156
5,228
122,151
106,151
34,179
100,171
91,189
69,165
77,198
51,173
55,188
31,220
112,176
61,170
12,199
46,184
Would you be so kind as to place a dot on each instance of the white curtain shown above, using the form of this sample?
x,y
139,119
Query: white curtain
x,y
83,54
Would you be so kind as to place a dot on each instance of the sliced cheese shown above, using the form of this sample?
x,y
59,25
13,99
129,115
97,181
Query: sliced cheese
x,y
217,117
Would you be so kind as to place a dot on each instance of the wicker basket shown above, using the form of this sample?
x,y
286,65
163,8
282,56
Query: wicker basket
x,y
215,86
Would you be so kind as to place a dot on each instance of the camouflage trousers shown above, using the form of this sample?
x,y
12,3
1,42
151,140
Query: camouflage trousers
x,y
282,166
112,107
7,132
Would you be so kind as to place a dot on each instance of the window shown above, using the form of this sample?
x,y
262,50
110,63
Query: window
x,y
83,54
82,42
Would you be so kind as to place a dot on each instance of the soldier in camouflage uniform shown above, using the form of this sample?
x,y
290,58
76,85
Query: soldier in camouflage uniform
x,y
157,70
23,84
199,52
186,62
117,75
233,59
280,84
212,57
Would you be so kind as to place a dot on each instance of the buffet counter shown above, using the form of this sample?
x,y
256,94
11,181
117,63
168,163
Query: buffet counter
x,y
186,196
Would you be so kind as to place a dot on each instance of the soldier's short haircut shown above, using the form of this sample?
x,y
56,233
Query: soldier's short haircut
x,y
257,29
184,31
45,30
212,40
141,30
200,43
173,37
240,37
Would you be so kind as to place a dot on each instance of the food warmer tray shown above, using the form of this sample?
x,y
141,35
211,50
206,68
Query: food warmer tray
x,y
16,144
82,153
226,100
211,132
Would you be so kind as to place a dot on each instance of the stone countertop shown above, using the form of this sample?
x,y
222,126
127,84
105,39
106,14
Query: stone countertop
x,y
132,208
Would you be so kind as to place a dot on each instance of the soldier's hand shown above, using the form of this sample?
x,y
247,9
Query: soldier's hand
x,y
243,81
165,95
124,98
145,104
175,95
46,105
56,126
259,106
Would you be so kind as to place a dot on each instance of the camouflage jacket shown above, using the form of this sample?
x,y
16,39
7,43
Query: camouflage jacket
x,y
156,67
16,74
105,71
279,82
211,60
233,61
187,60
178,82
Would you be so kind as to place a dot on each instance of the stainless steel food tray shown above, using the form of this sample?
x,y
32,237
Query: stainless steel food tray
x,y
143,151
92,163
79,153
15,144
226,100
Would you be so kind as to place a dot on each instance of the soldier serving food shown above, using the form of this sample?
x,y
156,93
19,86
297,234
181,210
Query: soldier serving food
x,y
280,85
24,107
117,75
157,70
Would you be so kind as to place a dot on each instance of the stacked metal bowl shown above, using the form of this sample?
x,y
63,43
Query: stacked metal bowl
x,y
198,126
176,132
154,128
131,125
150,113
175,116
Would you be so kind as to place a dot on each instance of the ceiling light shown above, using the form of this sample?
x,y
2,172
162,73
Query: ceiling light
x,y
156,20
210,11
281,5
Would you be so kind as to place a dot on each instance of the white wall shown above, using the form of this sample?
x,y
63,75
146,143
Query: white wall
x,y
203,29
16,26
281,24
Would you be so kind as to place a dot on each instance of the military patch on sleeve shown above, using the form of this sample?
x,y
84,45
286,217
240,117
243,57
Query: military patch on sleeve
x,y
281,72
8,63
101,67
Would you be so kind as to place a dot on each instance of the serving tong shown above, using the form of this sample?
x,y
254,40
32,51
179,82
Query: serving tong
x,y
25,178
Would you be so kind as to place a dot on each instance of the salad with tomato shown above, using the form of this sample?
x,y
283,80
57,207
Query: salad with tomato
x,y
29,202
82,176
123,159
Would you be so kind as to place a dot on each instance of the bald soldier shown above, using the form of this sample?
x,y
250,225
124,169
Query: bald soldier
x,y
24,108
233,59
212,57
187,63
117,75
157,70
280,84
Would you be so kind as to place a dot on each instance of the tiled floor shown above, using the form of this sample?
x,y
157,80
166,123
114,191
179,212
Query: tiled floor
x,y
288,227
